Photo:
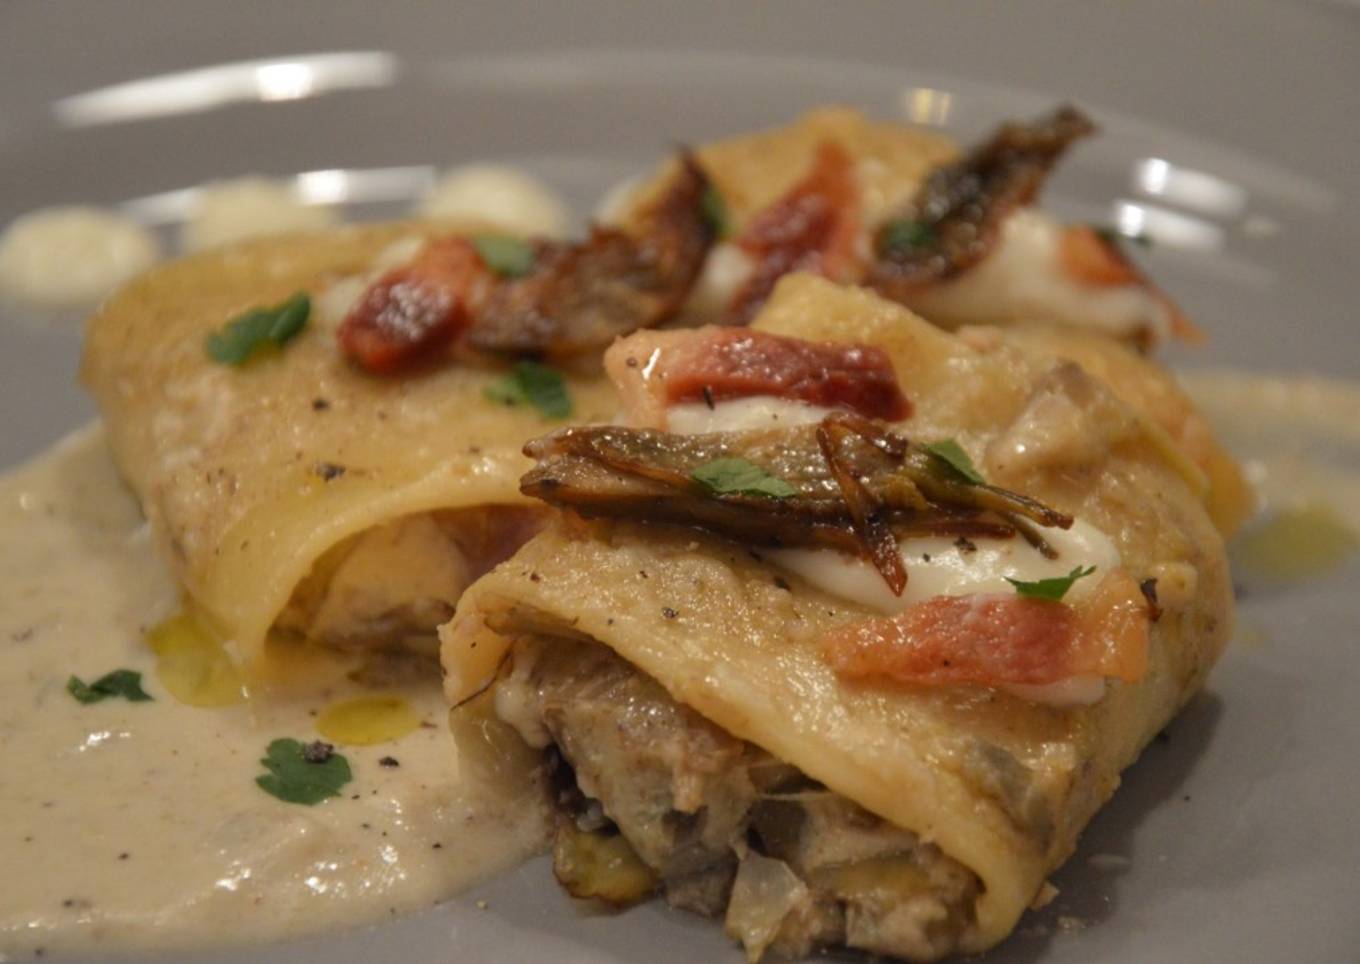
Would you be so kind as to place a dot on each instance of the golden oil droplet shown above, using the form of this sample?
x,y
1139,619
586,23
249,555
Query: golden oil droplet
x,y
367,720
192,663
1294,545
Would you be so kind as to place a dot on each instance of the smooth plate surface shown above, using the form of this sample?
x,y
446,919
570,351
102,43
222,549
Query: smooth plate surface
x,y
1230,137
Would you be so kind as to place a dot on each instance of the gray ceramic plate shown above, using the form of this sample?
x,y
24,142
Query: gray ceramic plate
x,y
1230,135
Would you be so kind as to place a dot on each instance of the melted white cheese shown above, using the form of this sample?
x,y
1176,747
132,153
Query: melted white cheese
x,y
741,415
70,257
248,207
1023,280
508,198
139,826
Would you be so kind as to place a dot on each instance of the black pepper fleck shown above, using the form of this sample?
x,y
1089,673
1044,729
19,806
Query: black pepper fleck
x,y
318,751
320,404
964,544
436,846
389,761
631,362
925,557
668,612
708,398
329,470
609,621
535,577
124,855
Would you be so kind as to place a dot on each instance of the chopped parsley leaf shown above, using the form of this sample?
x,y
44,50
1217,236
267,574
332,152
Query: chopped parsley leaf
x,y
740,477
714,208
532,383
121,682
238,341
951,453
300,774
1054,588
905,235
508,256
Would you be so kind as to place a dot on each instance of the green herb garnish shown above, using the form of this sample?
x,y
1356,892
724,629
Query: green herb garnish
x,y
507,256
236,342
121,682
714,209
952,454
532,383
305,774
1054,588
740,477
905,235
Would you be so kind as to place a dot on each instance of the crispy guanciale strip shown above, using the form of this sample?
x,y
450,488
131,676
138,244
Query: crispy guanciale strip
x,y
811,228
576,297
656,369
615,472
416,310
1090,258
956,216
580,297
997,639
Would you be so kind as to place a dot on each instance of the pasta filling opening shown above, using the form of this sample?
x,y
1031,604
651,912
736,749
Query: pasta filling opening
x,y
390,588
652,796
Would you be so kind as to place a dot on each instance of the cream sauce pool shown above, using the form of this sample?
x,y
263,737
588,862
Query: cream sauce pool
x,y
128,826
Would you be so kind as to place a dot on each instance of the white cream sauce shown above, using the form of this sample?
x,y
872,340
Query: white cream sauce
x,y
741,415
1023,280
130,826
939,566
726,269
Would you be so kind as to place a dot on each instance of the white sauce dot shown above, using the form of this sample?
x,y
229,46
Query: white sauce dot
x,y
228,211
70,257
508,198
